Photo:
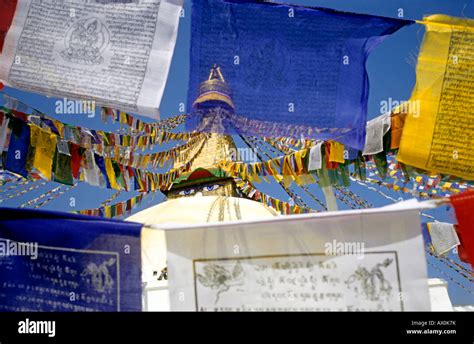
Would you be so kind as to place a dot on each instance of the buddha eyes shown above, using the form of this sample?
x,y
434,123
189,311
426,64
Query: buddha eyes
x,y
187,192
206,188
211,187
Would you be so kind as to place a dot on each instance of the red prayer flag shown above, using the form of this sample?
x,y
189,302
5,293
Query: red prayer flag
x,y
463,204
7,10
330,165
461,251
76,158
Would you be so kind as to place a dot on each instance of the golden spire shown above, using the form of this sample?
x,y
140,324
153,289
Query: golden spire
x,y
216,73
214,92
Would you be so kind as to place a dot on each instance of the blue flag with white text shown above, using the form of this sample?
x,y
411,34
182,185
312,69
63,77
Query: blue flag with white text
x,y
61,262
289,70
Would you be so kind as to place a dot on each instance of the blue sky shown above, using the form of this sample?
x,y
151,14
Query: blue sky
x,y
391,74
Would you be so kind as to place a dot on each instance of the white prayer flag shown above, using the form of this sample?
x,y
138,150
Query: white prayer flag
x,y
351,260
315,157
375,131
3,133
117,54
443,236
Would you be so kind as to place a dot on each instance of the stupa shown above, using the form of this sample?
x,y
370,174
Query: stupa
x,y
206,194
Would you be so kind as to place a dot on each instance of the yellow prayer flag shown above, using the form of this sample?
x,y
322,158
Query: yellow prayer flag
x,y
145,161
288,173
45,147
111,174
299,156
60,127
305,179
123,117
439,133
447,185
336,152
255,173
277,204
108,211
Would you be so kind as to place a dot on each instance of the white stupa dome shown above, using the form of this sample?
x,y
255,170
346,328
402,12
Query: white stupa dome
x,y
196,210
185,210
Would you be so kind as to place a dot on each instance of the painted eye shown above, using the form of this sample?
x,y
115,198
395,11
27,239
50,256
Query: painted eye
x,y
187,192
211,187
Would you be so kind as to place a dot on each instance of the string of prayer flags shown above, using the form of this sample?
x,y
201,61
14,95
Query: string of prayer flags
x,y
119,173
47,197
329,172
160,158
24,191
118,209
100,139
285,208
406,190
348,194
13,181
111,198
54,196
463,204
318,161
138,125
119,78
438,131
51,192
36,151
435,183
285,142
272,83
293,167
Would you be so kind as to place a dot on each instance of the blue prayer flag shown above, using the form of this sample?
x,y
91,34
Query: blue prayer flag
x,y
99,160
16,156
283,70
52,261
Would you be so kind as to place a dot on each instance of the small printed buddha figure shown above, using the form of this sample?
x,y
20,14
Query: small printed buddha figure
x,y
85,42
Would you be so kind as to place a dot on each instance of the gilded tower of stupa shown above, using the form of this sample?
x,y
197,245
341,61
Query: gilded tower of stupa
x,y
206,194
